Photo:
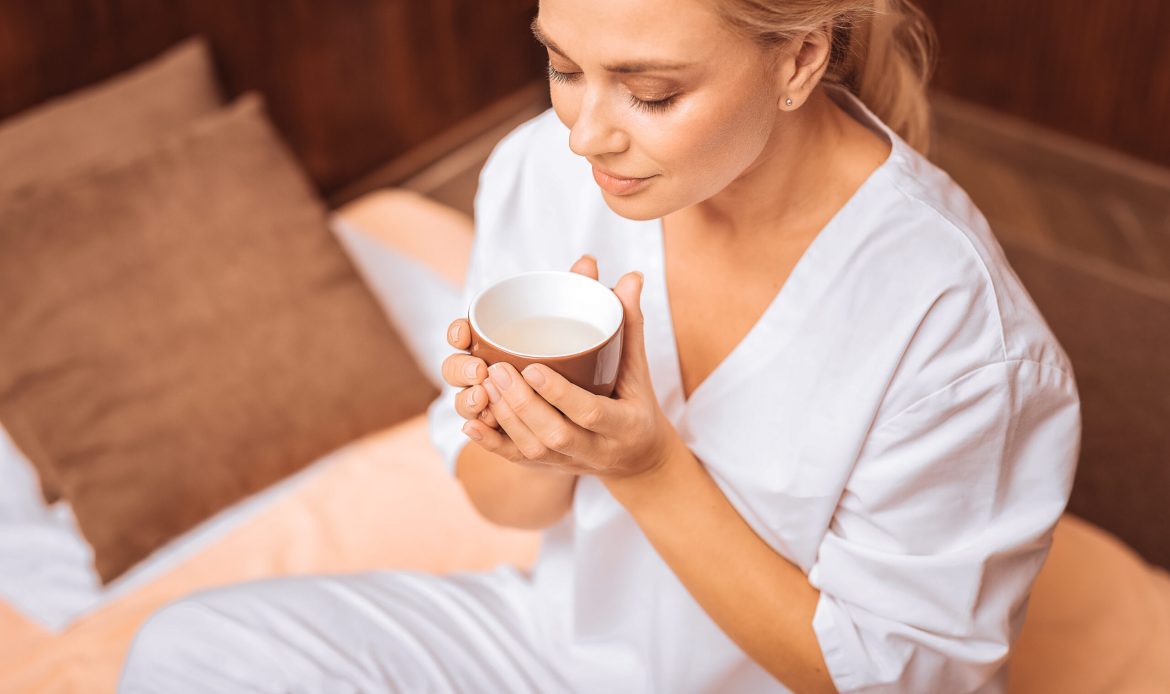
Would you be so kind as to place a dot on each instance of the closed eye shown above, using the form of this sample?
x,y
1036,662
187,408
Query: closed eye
x,y
557,76
647,105
651,106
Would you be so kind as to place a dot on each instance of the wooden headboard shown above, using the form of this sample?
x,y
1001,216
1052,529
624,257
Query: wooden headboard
x,y
351,85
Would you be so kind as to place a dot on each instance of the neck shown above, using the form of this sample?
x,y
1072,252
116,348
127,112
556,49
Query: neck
x,y
783,193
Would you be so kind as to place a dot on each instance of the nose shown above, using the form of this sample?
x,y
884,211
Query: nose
x,y
594,132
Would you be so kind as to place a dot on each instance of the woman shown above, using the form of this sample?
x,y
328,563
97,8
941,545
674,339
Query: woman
x,y
841,436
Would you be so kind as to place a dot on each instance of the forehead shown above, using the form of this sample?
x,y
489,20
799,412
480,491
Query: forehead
x,y
608,30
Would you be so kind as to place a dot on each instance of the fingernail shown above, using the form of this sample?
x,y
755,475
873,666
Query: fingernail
x,y
471,432
455,332
533,376
493,394
501,375
471,397
471,369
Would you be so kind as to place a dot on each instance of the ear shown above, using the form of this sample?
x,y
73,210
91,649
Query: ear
x,y
801,66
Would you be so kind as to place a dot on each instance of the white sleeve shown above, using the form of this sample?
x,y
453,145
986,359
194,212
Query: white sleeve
x,y
495,205
925,570
445,425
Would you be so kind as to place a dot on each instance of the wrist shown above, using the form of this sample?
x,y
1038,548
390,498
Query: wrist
x,y
668,460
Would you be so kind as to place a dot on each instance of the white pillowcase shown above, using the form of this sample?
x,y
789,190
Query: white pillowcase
x,y
419,302
43,559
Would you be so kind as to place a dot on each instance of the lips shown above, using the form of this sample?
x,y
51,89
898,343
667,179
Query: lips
x,y
618,185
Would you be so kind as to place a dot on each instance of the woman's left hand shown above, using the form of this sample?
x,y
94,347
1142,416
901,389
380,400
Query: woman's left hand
x,y
549,422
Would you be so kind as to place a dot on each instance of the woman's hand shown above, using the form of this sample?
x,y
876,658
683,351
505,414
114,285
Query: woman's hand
x,y
468,372
549,422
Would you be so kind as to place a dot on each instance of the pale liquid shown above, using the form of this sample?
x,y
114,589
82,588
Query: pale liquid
x,y
546,335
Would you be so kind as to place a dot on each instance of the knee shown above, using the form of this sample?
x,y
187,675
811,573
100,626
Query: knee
x,y
185,646
161,643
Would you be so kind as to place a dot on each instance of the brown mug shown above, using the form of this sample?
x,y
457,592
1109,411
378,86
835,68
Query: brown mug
x,y
568,322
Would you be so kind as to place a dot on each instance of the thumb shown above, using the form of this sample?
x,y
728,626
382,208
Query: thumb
x,y
629,292
585,265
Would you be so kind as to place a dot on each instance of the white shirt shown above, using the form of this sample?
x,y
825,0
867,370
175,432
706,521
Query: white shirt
x,y
899,423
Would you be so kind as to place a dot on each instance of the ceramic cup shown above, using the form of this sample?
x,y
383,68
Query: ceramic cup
x,y
544,294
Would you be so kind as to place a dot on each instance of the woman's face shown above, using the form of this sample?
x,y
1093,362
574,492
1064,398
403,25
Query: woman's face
x,y
667,103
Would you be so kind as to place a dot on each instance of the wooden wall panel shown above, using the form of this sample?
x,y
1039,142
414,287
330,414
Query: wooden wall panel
x,y
354,83
350,84
1098,69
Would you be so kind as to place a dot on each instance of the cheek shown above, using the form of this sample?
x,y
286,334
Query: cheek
x,y
699,149
705,149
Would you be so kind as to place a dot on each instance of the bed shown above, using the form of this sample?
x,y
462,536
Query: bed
x,y
381,503
1099,618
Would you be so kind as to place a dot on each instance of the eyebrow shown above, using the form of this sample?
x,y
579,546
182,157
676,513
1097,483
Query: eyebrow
x,y
622,68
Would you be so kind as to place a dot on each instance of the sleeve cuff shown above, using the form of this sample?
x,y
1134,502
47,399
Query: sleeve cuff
x,y
832,646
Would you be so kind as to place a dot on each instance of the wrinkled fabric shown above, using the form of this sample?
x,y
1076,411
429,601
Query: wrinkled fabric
x,y
899,423
374,632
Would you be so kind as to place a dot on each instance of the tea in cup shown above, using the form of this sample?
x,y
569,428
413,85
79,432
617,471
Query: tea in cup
x,y
568,322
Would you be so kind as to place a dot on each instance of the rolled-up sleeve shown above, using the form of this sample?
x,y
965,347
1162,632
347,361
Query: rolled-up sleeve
x,y
925,570
444,424
494,216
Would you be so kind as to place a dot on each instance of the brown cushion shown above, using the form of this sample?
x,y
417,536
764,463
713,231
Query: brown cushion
x,y
1115,326
181,329
1098,620
129,111
134,108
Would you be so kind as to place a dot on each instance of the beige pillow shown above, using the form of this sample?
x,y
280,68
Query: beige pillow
x,y
181,330
130,110
1098,620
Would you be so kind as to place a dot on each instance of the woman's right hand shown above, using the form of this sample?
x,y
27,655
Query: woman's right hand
x,y
467,372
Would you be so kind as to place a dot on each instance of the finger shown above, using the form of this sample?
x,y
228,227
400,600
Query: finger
x,y
546,423
517,430
492,440
585,265
459,334
634,371
496,442
464,370
587,410
471,402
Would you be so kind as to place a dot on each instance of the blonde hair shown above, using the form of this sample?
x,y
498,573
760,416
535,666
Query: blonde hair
x,y
882,51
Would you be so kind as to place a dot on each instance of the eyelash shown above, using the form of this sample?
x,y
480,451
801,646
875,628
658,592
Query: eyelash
x,y
657,106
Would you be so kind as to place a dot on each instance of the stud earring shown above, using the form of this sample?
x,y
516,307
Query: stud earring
x,y
788,102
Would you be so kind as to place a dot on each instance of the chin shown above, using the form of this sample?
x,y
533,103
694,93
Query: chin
x,y
638,207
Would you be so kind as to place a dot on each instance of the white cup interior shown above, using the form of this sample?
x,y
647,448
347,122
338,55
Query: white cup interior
x,y
546,293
